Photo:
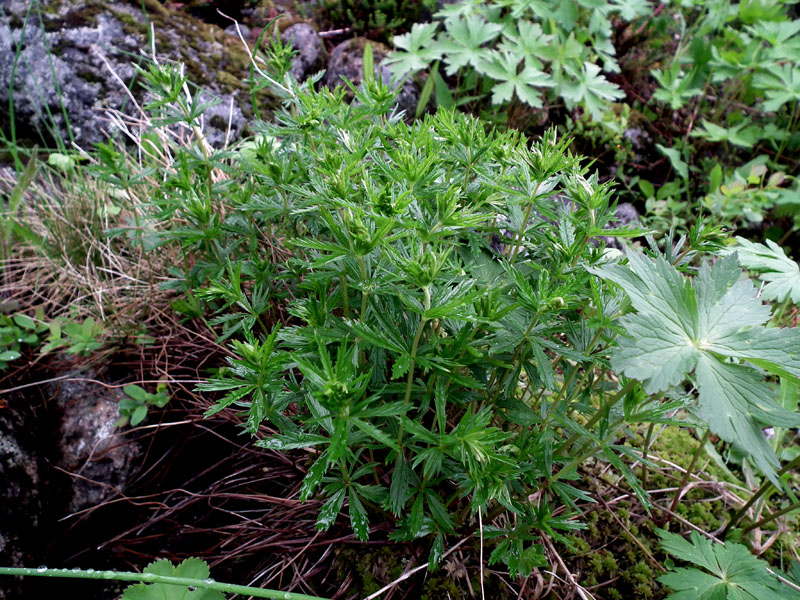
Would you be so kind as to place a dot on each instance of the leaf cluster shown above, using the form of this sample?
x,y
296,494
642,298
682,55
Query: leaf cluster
x,y
530,52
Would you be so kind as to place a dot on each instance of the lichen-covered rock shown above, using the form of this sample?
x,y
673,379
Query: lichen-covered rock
x,y
68,68
347,61
310,57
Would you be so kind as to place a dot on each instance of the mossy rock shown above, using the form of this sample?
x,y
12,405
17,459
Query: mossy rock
x,y
68,50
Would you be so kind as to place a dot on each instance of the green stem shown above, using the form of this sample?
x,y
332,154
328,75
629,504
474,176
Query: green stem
x,y
518,242
415,345
760,492
792,124
205,584
364,293
687,474
596,417
495,374
345,300
570,377
781,310
647,439
771,517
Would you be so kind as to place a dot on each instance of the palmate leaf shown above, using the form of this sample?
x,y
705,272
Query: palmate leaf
x,y
527,41
630,9
781,85
502,66
684,326
462,44
733,573
781,273
591,88
743,134
191,568
417,50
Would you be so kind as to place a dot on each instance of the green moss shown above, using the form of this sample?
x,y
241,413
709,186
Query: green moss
x,y
130,24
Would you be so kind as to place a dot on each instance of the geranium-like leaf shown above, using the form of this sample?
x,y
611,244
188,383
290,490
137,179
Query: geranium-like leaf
x,y
503,66
683,327
417,50
191,568
591,88
781,273
732,571
743,134
465,36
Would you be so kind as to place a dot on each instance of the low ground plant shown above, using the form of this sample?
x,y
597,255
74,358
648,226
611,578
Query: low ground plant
x,y
429,314
440,320
711,81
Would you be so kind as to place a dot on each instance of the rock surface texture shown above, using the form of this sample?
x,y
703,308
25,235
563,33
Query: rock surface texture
x,y
71,64
97,454
347,61
20,501
70,429
310,57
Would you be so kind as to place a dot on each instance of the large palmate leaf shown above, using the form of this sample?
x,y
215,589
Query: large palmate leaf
x,y
742,134
733,573
781,273
781,85
712,327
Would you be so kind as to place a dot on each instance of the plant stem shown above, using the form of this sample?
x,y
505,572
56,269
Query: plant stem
x,y
415,344
343,284
596,417
771,517
518,241
759,492
792,123
364,293
647,439
687,474
574,371
205,584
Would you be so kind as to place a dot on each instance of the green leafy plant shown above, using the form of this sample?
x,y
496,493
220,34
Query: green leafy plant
x,y
521,51
780,273
81,338
134,408
711,327
729,571
17,330
427,313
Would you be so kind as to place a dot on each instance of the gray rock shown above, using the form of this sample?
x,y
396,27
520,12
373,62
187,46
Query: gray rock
x,y
626,214
76,433
310,57
244,29
347,62
97,454
62,69
640,139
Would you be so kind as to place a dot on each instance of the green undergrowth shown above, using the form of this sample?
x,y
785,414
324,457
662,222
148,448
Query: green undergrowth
x,y
444,325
